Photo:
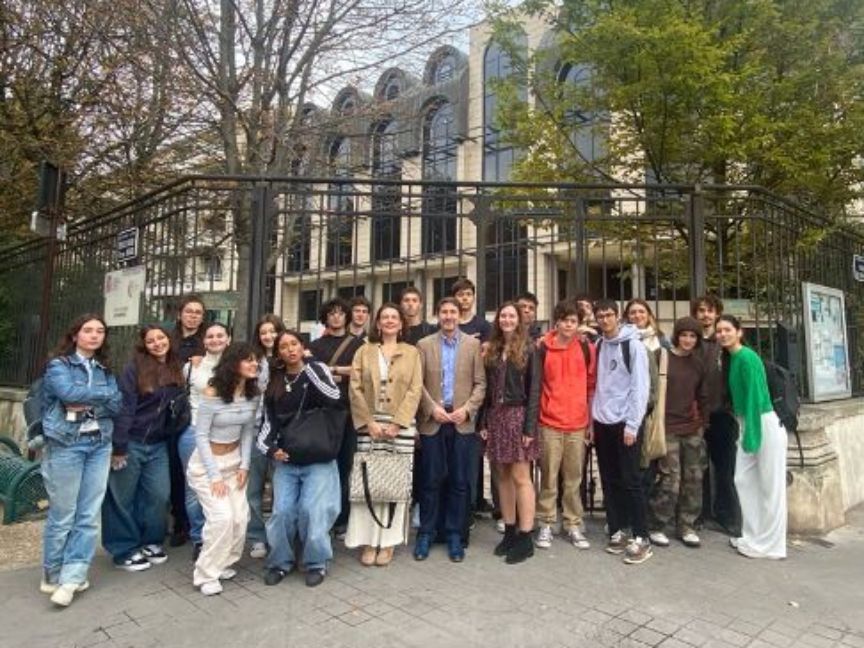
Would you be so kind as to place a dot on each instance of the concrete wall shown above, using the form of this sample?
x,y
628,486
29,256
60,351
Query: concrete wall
x,y
12,414
845,429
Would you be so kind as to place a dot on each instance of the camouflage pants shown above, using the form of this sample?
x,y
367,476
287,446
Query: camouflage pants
x,y
677,490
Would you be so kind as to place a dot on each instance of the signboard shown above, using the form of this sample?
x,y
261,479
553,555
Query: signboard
x,y
123,289
827,347
858,267
127,245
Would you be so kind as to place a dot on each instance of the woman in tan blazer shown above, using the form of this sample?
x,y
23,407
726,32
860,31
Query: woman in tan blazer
x,y
385,390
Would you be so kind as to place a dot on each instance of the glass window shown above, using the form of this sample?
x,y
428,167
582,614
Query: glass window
x,y
310,302
439,164
583,124
340,206
445,70
386,203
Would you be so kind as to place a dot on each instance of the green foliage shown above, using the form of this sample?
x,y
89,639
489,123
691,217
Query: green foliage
x,y
761,92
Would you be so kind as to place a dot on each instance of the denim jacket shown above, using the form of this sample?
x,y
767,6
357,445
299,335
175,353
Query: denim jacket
x,y
66,382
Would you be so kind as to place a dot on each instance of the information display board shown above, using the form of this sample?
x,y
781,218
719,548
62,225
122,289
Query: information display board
x,y
827,346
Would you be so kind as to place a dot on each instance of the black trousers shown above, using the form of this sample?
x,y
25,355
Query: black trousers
x,y
345,462
720,499
622,480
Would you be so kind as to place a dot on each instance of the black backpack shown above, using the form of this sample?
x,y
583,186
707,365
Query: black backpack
x,y
785,397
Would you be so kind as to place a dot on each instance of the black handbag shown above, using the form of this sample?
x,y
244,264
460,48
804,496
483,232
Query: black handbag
x,y
179,410
312,435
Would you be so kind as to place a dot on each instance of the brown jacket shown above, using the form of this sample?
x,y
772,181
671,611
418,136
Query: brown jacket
x,y
469,386
404,385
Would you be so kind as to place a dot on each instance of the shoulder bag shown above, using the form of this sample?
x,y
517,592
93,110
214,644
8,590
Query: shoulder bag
x,y
312,435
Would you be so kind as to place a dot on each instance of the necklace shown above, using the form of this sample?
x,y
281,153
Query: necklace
x,y
288,383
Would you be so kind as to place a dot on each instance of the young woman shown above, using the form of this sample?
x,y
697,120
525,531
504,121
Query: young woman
x,y
385,390
219,466
513,381
677,490
187,338
80,398
306,498
268,328
640,315
198,372
760,466
133,515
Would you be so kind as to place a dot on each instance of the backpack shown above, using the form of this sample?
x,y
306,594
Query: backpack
x,y
586,352
653,369
783,389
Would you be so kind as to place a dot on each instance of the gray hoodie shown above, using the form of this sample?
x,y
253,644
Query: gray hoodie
x,y
621,395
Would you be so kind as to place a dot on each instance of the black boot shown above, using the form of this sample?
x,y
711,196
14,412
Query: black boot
x,y
503,547
522,549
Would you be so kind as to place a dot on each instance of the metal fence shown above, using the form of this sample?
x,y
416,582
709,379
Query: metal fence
x,y
254,245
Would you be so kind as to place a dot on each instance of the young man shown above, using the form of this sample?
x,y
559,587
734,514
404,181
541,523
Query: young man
x,y
618,409
411,303
527,304
470,323
454,384
569,377
720,499
476,326
360,309
336,349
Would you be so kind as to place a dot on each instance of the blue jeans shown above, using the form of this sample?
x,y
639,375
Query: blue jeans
x,y
135,507
306,501
258,466
447,461
194,512
75,477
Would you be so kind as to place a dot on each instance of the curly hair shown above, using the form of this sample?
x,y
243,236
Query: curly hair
x,y
226,373
516,347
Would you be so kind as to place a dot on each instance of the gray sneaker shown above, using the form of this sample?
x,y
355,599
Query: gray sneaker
x,y
578,539
544,537
617,543
638,551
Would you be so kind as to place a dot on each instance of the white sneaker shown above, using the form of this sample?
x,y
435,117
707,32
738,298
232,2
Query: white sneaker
x,y
659,538
499,525
50,588
258,550
64,594
227,574
578,539
544,537
691,539
211,588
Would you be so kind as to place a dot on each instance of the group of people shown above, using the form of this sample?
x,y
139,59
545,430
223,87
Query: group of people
x,y
195,424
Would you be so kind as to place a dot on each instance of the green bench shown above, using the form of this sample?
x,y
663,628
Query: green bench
x,y
21,488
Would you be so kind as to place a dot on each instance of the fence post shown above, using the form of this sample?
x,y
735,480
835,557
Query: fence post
x,y
696,230
577,278
261,211
481,217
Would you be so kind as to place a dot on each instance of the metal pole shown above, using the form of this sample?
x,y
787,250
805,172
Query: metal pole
x,y
54,210
261,211
481,217
696,230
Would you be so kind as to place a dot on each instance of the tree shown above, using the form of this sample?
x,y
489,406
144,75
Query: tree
x,y
257,63
703,91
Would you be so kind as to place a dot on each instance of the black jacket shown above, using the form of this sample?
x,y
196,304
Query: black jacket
x,y
521,387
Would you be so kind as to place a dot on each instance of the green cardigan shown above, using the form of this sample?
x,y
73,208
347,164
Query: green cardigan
x,y
750,398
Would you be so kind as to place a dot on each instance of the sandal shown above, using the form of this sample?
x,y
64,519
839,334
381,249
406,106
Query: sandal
x,y
385,556
367,558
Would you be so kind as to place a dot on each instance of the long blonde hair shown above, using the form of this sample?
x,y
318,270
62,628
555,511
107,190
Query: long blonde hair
x,y
515,348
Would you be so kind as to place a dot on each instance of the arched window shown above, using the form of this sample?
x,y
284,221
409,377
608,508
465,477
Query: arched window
x,y
507,240
340,207
298,215
445,69
583,124
439,164
386,165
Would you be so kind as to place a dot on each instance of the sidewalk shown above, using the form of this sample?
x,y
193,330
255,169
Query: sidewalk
x,y
562,597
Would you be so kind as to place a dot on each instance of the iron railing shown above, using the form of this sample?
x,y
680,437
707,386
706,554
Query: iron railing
x,y
253,244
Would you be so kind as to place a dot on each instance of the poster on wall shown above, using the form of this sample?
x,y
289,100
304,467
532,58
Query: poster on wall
x,y
827,346
123,290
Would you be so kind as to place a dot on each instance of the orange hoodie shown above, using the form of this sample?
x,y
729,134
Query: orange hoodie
x,y
568,385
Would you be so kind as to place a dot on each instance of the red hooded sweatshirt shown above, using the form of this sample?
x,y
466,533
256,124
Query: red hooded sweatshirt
x,y
568,385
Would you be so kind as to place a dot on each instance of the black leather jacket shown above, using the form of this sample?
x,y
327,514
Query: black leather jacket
x,y
521,387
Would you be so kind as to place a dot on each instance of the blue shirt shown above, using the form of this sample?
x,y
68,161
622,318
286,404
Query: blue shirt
x,y
449,347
